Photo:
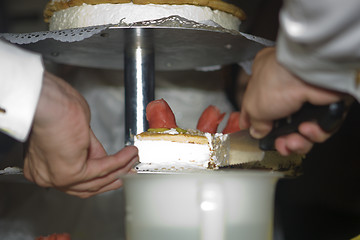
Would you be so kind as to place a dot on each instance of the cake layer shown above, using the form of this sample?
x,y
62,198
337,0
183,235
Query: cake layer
x,y
179,138
102,14
177,151
57,5
172,153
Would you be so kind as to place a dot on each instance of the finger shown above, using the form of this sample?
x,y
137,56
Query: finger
x,y
299,144
280,146
321,96
313,132
94,185
116,184
28,174
34,174
293,143
103,166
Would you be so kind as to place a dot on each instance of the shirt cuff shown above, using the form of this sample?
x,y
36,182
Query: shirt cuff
x,y
22,73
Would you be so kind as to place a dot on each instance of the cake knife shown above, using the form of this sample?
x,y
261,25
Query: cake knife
x,y
244,148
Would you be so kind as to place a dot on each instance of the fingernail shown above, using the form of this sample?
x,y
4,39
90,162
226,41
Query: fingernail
x,y
133,167
132,171
136,161
255,133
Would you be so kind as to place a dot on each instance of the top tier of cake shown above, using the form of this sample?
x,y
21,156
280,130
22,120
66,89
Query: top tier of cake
x,y
65,14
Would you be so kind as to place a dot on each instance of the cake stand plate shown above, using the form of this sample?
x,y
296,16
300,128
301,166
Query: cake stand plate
x,y
174,48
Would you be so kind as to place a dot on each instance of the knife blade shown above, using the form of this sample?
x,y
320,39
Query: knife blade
x,y
244,148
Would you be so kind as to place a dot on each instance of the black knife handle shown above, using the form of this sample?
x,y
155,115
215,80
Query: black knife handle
x,y
328,117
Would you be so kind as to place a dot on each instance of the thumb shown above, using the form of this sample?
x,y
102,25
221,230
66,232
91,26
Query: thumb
x,y
96,149
260,129
244,121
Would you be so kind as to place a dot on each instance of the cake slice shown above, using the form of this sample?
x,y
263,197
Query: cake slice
x,y
165,147
181,150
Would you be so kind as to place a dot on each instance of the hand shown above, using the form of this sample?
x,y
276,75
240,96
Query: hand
x,y
274,93
63,151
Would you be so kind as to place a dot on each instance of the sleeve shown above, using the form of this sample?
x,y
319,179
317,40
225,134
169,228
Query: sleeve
x,y
319,41
21,74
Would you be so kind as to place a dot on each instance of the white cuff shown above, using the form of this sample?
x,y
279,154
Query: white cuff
x,y
21,81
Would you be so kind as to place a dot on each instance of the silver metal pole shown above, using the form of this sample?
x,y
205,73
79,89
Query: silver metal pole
x,y
139,73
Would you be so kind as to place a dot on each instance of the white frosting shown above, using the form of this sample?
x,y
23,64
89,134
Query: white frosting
x,y
220,149
172,131
101,14
160,155
173,152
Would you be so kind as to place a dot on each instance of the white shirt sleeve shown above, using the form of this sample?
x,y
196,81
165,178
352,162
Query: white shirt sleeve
x,y
319,41
21,74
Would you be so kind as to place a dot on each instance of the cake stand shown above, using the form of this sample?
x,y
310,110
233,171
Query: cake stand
x,y
139,49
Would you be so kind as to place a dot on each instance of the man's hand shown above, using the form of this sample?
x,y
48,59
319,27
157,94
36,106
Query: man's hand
x,y
63,151
274,93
